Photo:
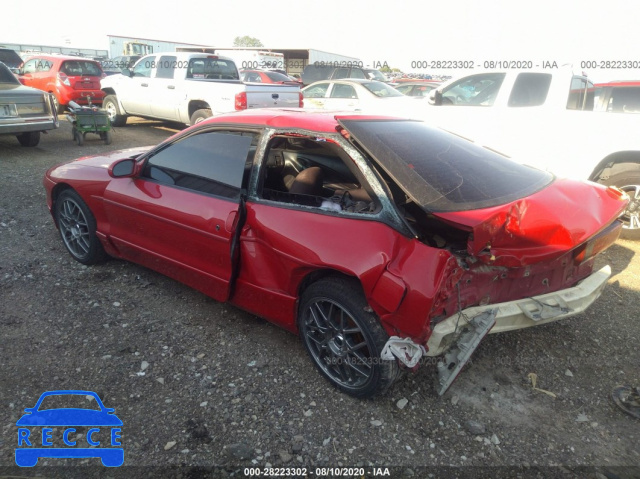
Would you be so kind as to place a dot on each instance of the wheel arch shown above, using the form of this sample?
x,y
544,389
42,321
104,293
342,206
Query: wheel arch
x,y
614,163
111,91
317,275
195,105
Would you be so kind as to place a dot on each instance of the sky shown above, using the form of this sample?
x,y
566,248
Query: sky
x,y
398,33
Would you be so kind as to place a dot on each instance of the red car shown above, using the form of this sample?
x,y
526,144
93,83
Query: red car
x,y
377,239
68,78
266,76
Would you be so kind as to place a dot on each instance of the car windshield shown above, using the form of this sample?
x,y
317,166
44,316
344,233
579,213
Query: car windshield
x,y
277,77
66,401
80,68
6,76
442,172
374,75
381,90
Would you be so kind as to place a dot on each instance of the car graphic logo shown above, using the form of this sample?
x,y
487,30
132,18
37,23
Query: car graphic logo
x,y
56,440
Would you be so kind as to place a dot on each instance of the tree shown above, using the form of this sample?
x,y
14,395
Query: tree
x,y
247,41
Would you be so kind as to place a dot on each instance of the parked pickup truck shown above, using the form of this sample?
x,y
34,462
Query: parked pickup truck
x,y
187,88
546,119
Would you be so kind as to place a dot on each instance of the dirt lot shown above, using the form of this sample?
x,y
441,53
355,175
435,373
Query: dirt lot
x,y
200,384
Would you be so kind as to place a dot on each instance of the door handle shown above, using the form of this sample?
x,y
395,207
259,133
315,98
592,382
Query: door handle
x,y
171,87
144,84
230,224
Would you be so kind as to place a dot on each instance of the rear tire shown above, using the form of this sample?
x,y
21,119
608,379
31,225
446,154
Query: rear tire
x,y
110,104
200,115
56,103
629,182
79,137
344,339
31,138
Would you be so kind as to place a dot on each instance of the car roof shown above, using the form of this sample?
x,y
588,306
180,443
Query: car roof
x,y
619,83
62,58
319,121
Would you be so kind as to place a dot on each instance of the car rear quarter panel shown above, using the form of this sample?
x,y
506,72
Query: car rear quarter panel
x,y
281,247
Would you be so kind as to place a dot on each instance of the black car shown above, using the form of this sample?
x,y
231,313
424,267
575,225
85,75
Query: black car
x,y
24,111
10,58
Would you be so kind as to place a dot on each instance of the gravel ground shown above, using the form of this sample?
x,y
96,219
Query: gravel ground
x,y
199,384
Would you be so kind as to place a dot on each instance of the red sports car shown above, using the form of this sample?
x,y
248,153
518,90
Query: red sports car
x,y
378,240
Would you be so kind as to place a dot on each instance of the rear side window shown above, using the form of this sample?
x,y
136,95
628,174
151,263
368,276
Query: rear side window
x,y
357,73
624,100
166,66
442,172
80,68
530,89
210,162
341,73
343,91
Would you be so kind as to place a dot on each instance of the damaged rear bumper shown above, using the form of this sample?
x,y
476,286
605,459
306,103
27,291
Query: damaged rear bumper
x,y
523,313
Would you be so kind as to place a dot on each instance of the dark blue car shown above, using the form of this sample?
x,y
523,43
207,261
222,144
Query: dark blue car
x,y
31,448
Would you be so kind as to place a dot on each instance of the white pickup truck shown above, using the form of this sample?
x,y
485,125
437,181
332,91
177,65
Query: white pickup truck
x,y
545,118
187,88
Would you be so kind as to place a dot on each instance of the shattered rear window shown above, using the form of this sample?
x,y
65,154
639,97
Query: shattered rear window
x,y
442,172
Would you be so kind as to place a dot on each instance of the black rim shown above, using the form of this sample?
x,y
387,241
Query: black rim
x,y
631,216
337,343
74,228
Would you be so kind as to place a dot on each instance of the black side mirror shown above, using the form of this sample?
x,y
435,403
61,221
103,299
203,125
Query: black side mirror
x,y
127,72
435,97
123,168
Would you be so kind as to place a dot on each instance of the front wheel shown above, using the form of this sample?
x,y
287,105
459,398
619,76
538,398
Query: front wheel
x,y
344,339
110,104
77,227
629,182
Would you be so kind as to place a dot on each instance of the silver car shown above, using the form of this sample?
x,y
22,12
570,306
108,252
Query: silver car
x,y
24,111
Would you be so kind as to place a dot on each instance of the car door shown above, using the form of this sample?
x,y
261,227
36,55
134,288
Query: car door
x,y
342,97
28,72
315,95
180,214
165,91
135,92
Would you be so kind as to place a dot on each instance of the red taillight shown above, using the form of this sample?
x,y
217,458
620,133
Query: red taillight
x,y
300,100
213,57
598,243
241,100
64,79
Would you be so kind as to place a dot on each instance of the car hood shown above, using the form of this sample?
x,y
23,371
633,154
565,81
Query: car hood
x,y
516,215
69,417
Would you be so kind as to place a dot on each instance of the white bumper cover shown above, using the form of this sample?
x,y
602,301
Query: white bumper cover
x,y
524,313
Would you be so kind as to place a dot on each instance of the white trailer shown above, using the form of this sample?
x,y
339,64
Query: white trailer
x,y
119,45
